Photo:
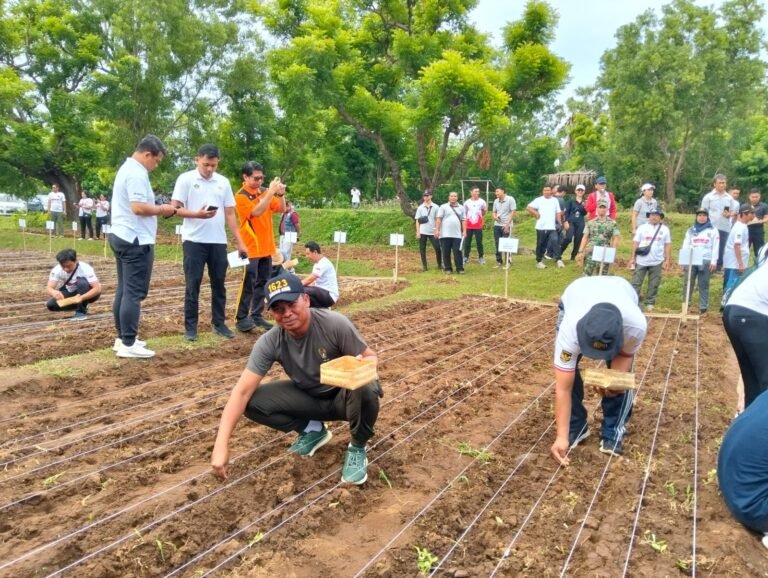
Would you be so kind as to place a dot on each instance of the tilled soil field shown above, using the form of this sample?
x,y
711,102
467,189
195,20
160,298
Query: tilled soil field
x,y
106,474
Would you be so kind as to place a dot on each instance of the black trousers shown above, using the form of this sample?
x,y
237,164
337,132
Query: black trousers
x,y
196,257
548,240
250,299
721,249
319,297
498,233
450,247
100,222
477,234
423,250
86,222
756,239
82,288
574,233
748,332
134,272
281,405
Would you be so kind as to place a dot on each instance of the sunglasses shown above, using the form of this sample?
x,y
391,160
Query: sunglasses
x,y
257,178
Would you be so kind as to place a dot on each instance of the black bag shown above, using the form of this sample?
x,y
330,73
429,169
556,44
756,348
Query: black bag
x,y
643,251
424,220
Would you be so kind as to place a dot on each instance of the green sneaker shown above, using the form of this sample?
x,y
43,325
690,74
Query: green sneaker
x,y
355,469
309,442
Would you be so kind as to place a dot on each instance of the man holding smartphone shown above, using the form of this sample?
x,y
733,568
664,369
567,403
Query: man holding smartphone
x,y
204,241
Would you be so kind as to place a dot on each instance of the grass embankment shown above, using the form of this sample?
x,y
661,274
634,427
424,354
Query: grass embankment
x,y
371,228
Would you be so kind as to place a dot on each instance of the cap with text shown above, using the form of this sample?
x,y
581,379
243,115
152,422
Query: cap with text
x,y
284,287
601,332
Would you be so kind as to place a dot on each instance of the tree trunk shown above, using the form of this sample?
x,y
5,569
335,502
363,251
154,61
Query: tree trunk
x,y
669,183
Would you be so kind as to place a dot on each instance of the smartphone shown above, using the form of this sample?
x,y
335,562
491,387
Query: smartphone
x,y
211,208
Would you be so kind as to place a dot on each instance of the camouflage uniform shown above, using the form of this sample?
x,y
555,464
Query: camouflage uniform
x,y
600,233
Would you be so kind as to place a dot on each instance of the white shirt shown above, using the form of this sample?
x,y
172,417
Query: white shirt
x,y
86,207
643,236
430,212
716,203
102,208
452,217
739,234
753,292
326,277
83,271
355,195
132,186
579,297
474,210
548,210
196,193
707,240
56,199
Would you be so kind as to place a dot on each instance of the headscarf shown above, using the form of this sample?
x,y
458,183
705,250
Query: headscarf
x,y
699,227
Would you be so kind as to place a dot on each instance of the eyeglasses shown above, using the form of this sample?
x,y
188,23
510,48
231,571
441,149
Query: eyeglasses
x,y
257,178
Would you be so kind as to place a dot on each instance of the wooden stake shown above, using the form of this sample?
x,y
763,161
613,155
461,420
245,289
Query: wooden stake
x,y
50,241
688,284
602,262
338,255
396,262
506,275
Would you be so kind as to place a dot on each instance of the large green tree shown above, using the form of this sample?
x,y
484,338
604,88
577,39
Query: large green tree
x,y
414,77
677,84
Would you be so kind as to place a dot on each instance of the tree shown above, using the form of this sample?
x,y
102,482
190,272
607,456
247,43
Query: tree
x,y
413,77
675,83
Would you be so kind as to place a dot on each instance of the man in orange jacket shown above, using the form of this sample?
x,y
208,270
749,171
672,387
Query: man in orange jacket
x,y
255,205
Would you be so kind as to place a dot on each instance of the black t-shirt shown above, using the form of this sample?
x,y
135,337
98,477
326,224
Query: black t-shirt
x,y
761,209
575,212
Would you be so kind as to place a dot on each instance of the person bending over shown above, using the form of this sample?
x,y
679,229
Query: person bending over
x,y
303,339
321,285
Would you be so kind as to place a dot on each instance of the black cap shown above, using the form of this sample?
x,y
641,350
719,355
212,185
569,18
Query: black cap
x,y
655,211
284,287
601,332
746,208
702,210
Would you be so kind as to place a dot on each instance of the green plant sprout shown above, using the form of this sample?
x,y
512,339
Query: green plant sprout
x,y
660,546
483,456
383,477
51,481
256,538
425,560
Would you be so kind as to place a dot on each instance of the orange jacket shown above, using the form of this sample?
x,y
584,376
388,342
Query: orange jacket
x,y
257,232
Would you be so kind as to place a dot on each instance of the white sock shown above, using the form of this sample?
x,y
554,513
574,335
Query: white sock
x,y
313,425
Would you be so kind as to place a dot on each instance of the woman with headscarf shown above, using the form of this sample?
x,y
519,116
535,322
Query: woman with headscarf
x,y
702,235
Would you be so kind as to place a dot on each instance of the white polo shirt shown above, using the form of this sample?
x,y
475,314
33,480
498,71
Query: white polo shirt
x,y
579,297
753,292
132,186
326,277
86,207
102,208
644,235
739,234
196,193
83,271
56,199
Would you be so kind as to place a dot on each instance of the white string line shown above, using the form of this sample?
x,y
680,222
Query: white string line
x,y
116,442
695,456
101,470
230,484
466,319
337,470
622,419
508,549
143,384
650,453
177,393
490,500
451,484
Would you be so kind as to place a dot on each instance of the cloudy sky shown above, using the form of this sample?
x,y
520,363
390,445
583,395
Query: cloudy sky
x,y
585,30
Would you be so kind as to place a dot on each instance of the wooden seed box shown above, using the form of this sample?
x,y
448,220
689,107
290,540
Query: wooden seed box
x,y
75,299
609,379
348,372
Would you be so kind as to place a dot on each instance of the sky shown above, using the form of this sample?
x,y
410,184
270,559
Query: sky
x,y
586,29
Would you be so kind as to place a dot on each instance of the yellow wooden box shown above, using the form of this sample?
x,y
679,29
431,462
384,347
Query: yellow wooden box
x,y
68,301
348,372
609,379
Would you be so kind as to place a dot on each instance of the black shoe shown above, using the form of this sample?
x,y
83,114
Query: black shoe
x,y
190,335
224,331
262,323
245,325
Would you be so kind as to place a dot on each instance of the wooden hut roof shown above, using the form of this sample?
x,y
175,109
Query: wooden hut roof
x,y
570,180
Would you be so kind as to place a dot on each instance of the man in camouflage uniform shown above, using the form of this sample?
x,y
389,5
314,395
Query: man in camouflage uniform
x,y
601,232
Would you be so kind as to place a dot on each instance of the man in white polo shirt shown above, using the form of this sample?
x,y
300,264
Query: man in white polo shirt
x,y
651,252
546,209
321,285
132,239
57,209
204,241
599,318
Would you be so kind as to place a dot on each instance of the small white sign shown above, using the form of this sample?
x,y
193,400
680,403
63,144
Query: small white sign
x,y
106,229
178,229
49,225
604,254
23,223
396,239
697,259
340,237
74,225
291,237
508,245
235,260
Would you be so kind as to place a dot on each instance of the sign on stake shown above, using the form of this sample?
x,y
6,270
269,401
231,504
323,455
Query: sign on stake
x,y
23,225
291,236
603,255
49,225
106,229
397,240
691,257
339,237
508,246
178,242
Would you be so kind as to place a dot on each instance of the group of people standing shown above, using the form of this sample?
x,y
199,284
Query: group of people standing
x,y
86,208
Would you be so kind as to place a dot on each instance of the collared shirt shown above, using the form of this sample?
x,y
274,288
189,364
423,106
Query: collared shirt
x,y
256,232
326,277
739,234
430,212
503,209
647,235
132,186
86,207
452,218
102,208
708,240
56,199
642,207
83,271
196,193
715,204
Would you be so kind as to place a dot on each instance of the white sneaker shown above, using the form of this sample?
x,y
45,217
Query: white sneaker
x,y
560,264
541,266
547,257
119,343
135,351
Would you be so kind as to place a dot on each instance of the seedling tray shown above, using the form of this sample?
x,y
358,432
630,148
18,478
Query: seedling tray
x,y
609,379
74,300
348,372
